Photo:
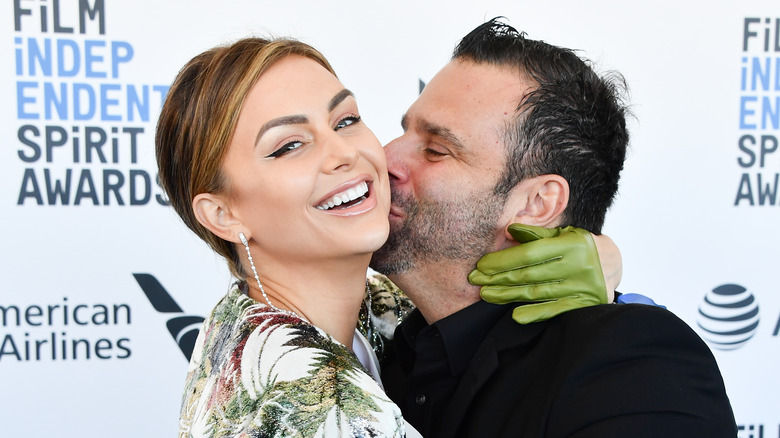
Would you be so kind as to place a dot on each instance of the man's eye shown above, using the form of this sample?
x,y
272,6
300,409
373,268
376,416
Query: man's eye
x,y
434,154
346,121
288,147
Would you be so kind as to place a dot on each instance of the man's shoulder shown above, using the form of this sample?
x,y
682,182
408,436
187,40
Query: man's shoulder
x,y
608,326
601,365
595,371
598,316
611,315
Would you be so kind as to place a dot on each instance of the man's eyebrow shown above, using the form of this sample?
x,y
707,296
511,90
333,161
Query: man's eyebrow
x,y
301,119
280,121
442,132
338,98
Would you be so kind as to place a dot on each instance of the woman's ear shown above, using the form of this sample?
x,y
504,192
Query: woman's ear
x,y
542,200
215,215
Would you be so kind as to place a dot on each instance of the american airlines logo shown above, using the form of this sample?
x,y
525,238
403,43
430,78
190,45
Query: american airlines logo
x,y
183,328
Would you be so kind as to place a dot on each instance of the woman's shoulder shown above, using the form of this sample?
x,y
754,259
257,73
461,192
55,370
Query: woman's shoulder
x,y
271,372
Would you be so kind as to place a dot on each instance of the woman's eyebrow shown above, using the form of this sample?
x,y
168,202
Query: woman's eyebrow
x,y
300,119
280,121
338,98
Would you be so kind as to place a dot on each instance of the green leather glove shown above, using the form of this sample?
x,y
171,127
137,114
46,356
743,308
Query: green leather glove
x,y
555,269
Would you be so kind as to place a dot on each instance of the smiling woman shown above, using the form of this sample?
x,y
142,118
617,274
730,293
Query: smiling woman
x,y
263,154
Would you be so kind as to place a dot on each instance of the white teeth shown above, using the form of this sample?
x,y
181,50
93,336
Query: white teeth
x,y
346,196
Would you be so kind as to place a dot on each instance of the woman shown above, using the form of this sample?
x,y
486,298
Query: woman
x,y
264,156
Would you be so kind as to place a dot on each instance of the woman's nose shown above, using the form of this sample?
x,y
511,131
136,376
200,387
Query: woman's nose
x,y
341,154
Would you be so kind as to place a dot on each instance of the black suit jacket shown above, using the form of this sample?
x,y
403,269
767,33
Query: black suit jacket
x,y
604,371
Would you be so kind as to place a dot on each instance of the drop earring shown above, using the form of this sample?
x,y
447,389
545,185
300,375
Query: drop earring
x,y
257,278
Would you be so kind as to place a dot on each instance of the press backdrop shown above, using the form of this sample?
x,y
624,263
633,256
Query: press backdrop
x,y
98,275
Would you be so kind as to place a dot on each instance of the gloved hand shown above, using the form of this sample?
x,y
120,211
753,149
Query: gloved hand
x,y
554,269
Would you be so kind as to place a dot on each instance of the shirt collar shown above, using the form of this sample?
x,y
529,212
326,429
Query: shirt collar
x,y
461,333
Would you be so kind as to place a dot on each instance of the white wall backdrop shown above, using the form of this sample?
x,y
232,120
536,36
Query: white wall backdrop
x,y
83,351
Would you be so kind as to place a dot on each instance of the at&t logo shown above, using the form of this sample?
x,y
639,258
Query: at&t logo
x,y
728,317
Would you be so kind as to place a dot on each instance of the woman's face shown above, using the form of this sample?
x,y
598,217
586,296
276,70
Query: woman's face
x,y
306,177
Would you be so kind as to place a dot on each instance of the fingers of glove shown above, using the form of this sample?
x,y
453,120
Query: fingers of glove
x,y
553,284
566,254
530,254
543,311
528,233
477,278
529,292
538,245
549,271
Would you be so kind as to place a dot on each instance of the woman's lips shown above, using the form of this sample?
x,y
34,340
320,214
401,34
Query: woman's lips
x,y
346,196
348,199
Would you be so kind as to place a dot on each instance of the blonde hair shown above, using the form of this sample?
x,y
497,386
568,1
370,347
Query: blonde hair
x,y
198,120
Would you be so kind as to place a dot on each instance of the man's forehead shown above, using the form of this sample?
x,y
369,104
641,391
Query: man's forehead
x,y
466,100
463,88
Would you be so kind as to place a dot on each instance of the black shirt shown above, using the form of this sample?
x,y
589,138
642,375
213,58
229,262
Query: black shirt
x,y
433,358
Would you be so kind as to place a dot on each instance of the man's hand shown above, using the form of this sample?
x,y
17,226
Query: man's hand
x,y
551,271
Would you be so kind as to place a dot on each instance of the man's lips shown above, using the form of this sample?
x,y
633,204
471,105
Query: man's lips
x,y
396,212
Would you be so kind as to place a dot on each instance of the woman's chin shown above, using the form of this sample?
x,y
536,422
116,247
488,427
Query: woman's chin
x,y
375,240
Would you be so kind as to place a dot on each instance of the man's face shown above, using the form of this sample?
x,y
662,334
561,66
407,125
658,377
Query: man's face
x,y
444,168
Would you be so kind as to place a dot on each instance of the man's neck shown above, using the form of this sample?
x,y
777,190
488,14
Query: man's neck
x,y
438,289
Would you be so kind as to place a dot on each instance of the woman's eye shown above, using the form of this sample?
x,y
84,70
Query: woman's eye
x,y
288,147
346,121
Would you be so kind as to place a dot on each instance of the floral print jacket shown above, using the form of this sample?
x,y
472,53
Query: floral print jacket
x,y
258,372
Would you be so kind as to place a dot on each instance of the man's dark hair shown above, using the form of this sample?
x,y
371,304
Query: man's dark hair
x,y
572,123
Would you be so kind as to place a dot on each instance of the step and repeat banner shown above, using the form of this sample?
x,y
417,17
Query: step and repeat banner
x,y
101,285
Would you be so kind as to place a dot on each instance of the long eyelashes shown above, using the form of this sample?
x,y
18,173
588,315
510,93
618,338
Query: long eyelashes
x,y
293,145
287,147
347,121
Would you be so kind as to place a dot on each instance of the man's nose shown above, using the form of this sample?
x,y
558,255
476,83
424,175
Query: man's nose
x,y
397,165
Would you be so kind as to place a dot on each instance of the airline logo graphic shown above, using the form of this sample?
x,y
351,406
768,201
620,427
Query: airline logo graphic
x,y
184,328
728,316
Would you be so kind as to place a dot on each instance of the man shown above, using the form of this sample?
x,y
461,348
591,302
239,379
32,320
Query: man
x,y
517,131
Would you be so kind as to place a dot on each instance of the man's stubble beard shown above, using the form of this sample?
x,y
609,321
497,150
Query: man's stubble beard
x,y
434,231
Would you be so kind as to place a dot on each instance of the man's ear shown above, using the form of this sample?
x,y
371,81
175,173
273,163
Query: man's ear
x,y
542,200
214,213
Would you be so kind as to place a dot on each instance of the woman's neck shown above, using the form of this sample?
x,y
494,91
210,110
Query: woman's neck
x,y
326,294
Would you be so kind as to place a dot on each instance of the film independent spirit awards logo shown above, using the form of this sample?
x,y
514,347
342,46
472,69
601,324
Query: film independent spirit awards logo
x,y
728,317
